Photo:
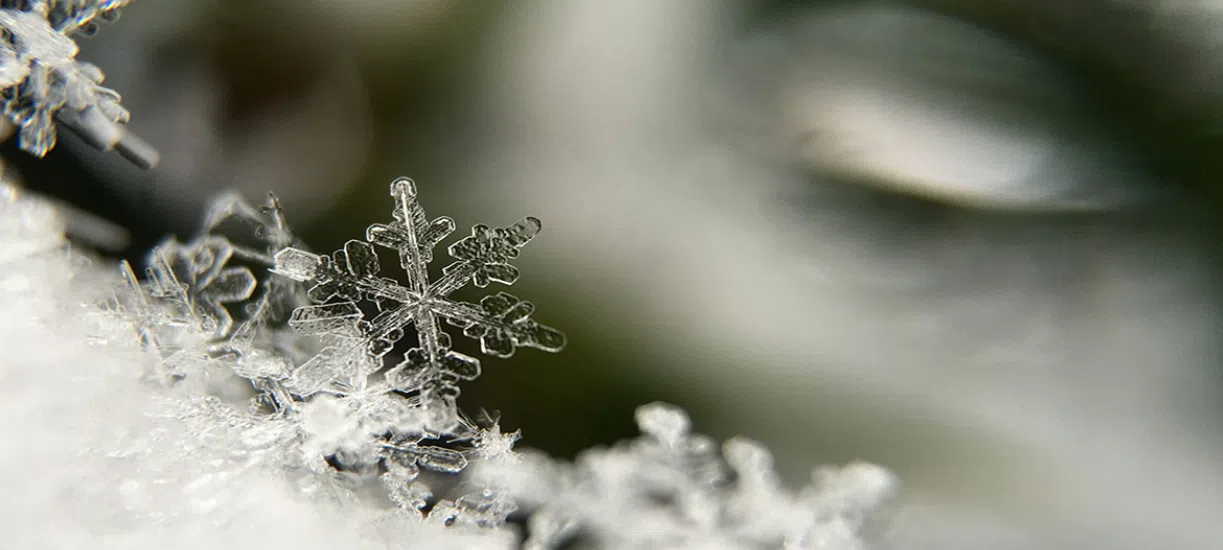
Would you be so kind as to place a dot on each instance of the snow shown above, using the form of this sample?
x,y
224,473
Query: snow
x,y
131,421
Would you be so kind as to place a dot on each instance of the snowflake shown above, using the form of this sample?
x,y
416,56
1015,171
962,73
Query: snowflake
x,y
431,370
254,236
196,275
214,294
42,81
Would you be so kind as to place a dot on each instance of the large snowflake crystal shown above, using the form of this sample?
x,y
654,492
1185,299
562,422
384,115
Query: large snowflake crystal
x,y
41,81
431,371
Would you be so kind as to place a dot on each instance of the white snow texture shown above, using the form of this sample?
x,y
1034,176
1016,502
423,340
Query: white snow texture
x,y
116,437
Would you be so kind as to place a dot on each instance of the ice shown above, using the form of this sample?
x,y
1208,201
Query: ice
x,y
197,275
669,489
483,509
41,80
254,233
219,283
501,322
417,239
486,253
331,452
337,318
437,459
667,423
403,488
329,429
752,463
503,325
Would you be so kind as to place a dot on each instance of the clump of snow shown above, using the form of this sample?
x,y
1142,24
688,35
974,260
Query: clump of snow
x,y
98,456
671,488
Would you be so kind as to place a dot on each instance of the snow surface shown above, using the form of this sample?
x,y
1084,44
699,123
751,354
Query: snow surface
x,y
106,451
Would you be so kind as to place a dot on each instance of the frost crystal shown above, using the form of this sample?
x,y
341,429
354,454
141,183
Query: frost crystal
x,y
431,370
196,275
213,300
673,489
307,335
42,81
214,294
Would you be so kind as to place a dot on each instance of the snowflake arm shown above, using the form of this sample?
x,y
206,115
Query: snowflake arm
x,y
410,234
502,323
485,255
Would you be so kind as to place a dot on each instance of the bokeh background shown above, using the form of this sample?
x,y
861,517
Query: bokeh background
x,y
975,242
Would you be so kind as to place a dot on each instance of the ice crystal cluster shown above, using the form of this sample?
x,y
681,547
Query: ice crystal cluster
x,y
670,488
247,391
42,81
